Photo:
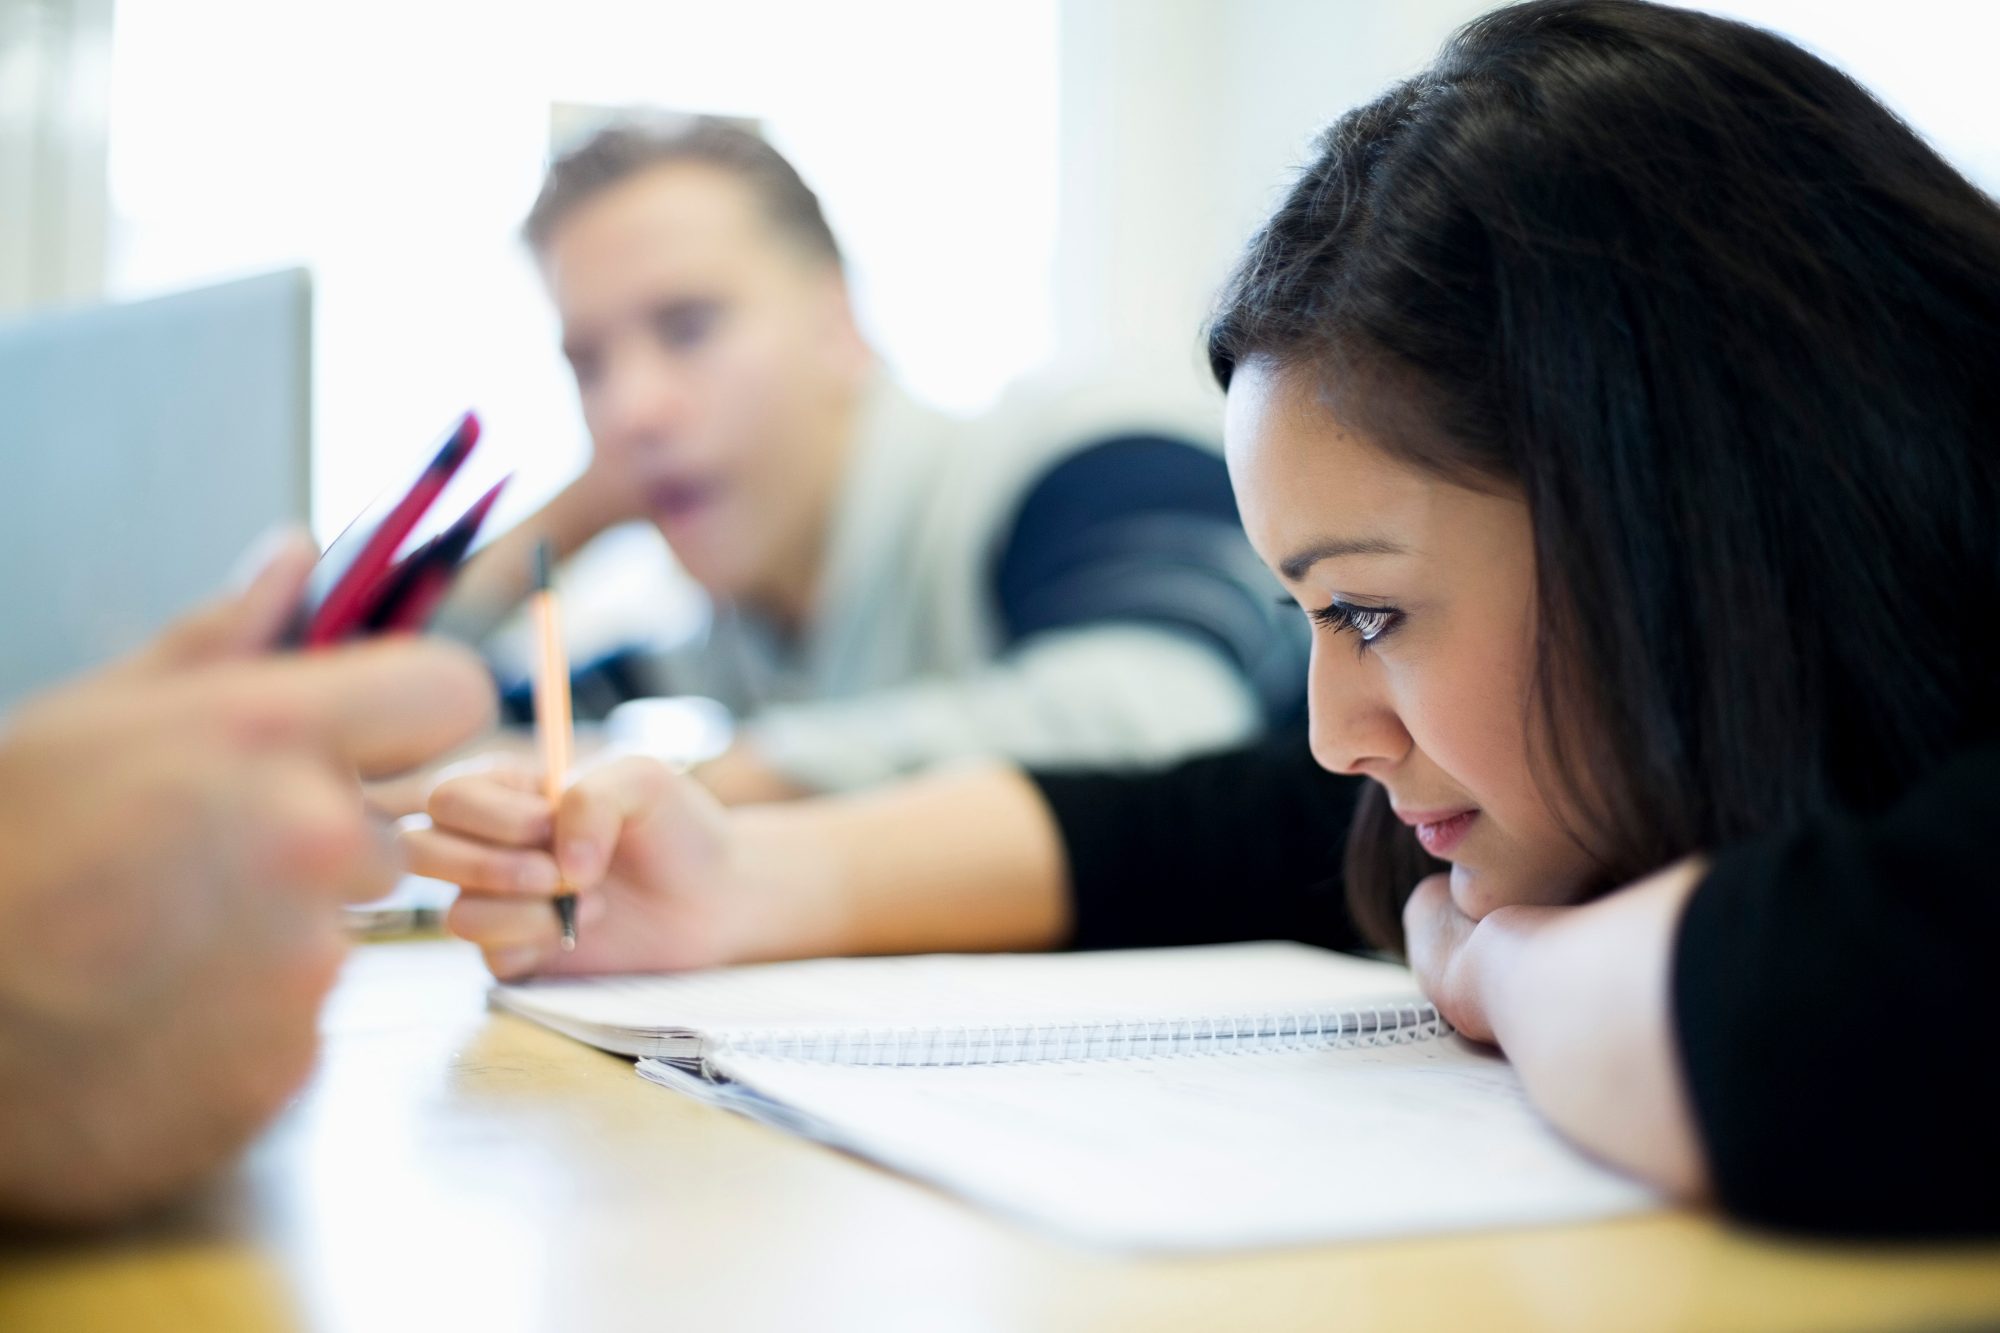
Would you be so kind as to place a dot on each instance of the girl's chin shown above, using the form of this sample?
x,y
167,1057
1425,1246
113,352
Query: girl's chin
x,y
1478,892
1472,892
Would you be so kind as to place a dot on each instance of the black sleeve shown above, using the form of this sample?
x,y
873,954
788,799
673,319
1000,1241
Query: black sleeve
x,y
1833,994
1244,845
1144,528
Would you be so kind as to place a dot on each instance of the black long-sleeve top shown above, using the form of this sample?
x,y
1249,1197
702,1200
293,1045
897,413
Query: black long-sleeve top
x,y
1827,980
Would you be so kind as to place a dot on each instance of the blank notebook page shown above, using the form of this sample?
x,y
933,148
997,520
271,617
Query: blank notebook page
x,y
1215,1152
1239,1146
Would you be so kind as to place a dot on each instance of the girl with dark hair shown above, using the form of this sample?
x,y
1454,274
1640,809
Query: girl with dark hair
x,y
1615,398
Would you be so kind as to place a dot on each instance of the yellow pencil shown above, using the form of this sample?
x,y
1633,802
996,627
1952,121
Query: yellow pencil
x,y
552,716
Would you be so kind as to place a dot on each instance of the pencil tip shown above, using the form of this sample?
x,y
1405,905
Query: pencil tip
x,y
566,918
544,564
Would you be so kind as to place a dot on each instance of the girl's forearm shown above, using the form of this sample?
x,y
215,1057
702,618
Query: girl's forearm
x,y
967,860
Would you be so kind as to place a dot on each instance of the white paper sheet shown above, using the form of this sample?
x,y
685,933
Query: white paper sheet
x,y
1207,1152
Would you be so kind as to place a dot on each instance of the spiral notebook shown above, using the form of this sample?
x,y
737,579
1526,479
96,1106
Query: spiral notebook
x,y
1221,1097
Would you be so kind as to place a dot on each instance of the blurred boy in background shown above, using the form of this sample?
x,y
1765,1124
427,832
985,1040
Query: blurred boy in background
x,y
1063,582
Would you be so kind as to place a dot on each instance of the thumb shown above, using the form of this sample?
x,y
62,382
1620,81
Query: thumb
x,y
595,811
240,624
382,707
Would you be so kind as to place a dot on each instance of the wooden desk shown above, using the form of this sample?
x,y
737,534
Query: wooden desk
x,y
455,1169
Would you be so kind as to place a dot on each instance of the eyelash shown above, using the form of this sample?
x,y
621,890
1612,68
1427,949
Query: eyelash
x,y
1369,624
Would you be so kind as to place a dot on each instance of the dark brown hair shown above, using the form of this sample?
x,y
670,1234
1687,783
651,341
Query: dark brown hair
x,y
1728,326
627,147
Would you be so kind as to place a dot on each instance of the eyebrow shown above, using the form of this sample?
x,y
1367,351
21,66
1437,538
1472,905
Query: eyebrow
x,y
1296,564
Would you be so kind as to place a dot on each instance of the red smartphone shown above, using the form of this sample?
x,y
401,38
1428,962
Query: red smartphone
x,y
359,588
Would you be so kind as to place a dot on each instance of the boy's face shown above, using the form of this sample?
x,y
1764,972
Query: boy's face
x,y
713,356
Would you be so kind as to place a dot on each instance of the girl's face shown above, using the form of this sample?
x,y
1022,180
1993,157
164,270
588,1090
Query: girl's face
x,y
1422,595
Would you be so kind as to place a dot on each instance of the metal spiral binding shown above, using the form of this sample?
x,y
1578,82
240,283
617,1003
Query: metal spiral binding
x,y
1129,1039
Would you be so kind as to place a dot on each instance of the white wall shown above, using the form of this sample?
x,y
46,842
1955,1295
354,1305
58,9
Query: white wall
x,y
1183,119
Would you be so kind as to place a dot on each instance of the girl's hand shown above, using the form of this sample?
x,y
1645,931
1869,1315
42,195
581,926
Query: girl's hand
x,y
1579,999
665,878
1459,962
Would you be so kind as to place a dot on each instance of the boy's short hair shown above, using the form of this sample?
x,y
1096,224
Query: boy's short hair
x,y
628,146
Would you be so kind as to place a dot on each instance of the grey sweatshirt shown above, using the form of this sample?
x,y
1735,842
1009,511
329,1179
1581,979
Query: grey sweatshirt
x,y
907,662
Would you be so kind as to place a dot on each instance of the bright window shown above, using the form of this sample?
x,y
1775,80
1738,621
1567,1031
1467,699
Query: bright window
x,y
393,147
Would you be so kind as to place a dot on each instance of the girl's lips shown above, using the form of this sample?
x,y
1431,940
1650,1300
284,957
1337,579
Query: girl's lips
x,y
1441,837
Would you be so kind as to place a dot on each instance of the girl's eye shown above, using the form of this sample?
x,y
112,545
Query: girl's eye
x,y
1367,623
